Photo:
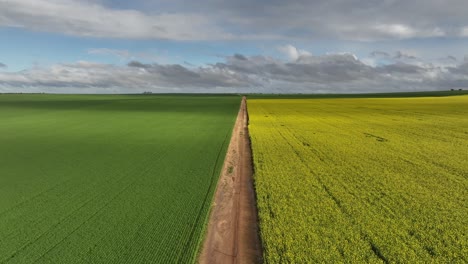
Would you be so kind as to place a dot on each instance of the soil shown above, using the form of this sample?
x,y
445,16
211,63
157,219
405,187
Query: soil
x,y
232,232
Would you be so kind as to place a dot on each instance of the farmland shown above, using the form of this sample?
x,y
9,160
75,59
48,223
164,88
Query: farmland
x,y
361,180
101,178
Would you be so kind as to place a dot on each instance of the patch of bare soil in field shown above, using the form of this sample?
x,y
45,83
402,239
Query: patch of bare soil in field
x,y
232,232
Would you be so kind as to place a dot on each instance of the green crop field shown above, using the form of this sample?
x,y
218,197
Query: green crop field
x,y
99,178
362,180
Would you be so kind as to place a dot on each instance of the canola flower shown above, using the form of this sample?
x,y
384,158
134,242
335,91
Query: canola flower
x,y
362,180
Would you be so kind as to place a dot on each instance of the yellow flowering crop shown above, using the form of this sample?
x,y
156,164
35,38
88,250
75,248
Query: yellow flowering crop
x,y
362,180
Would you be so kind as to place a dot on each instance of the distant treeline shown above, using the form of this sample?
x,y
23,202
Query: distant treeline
x,y
363,95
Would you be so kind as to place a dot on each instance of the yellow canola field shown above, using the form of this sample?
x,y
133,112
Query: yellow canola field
x,y
362,180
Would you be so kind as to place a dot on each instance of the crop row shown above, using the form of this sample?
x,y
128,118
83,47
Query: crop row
x,y
122,179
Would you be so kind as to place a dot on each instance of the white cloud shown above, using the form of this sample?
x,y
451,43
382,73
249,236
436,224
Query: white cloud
x,y
401,31
87,19
292,52
396,30
365,31
464,31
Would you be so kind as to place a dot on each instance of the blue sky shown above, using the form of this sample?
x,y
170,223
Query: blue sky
x,y
107,46
21,49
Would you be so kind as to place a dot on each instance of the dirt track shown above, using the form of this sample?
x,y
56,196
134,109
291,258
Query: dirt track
x,y
232,232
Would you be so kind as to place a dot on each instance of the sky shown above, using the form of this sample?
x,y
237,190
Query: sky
x,y
242,46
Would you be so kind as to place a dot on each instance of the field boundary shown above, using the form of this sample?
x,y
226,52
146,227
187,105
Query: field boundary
x,y
232,233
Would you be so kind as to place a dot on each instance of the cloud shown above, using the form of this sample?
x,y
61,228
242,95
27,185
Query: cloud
x,y
331,73
89,19
409,57
135,77
379,54
292,52
401,69
363,20
400,31
464,32
462,69
240,57
451,58
3,65
402,55
138,64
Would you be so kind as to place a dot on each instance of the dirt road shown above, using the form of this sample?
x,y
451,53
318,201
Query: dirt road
x,y
232,232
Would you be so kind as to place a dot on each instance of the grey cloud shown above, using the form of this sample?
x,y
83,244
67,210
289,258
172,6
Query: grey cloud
x,y
175,71
2,65
327,69
402,55
462,69
401,68
341,72
138,64
452,58
399,55
176,75
369,19
239,57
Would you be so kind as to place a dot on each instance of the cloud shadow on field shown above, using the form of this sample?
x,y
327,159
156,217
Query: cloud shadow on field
x,y
183,104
